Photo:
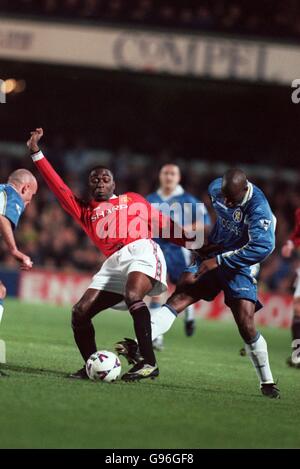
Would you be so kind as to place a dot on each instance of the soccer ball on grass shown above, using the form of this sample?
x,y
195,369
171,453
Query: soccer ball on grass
x,y
103,366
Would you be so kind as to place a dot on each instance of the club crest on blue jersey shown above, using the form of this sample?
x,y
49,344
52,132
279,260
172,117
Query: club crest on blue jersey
x,y
237,215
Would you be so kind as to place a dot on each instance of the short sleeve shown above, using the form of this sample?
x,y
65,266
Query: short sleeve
x,y
10,207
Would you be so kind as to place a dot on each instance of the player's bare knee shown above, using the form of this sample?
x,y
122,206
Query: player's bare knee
x,y
79,316
131,296
297,307
2,291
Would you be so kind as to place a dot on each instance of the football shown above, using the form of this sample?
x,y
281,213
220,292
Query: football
x,y
103,366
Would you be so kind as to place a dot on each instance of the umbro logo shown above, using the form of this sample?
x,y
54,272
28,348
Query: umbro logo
x,y
265,224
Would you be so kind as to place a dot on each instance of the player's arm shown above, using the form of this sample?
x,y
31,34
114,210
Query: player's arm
x,y
294,240
67,199
8,236
261,229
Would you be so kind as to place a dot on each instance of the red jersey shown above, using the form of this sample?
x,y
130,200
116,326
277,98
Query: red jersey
x,y
114,223
295,236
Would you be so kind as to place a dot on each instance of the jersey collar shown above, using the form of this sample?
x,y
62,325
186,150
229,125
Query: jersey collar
x,y
95,204
177,191
248,194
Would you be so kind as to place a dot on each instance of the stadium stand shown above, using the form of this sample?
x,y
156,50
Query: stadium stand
x,y
269,18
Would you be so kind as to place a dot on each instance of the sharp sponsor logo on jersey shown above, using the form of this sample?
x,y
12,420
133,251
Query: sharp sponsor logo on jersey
x,y
237,215
107,211
265,224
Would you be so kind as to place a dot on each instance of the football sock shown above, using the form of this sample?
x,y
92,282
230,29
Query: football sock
x,y
189,313
84,335
258,353
142,327
162,320
153,307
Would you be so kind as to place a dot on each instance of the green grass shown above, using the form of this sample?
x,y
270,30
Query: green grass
x,y
207,395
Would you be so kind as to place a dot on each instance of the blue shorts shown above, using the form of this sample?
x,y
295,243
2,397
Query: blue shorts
x,y
234,283
177,261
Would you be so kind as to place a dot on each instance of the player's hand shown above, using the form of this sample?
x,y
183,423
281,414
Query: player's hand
x,y
25,261
33,141
287,249
207,265
207,249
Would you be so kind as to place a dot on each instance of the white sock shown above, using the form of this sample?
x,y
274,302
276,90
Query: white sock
x,y
1,311
161,320
258,354
189,313
153,307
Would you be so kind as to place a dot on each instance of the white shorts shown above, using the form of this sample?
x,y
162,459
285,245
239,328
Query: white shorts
x,y
143,255
297,284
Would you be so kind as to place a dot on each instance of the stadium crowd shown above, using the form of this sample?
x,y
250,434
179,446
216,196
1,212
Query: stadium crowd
x,y
52,240
268,18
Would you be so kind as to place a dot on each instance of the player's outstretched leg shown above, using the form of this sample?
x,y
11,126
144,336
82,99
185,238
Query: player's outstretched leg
x,y
92,302
2,343
294,359
255,346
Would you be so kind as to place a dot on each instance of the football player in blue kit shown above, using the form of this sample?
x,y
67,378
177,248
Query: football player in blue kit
x,y
242,237
14,197
185,209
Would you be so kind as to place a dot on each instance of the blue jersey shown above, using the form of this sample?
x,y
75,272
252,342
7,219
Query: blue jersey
x,y
180,214
11,204
178,258
246,232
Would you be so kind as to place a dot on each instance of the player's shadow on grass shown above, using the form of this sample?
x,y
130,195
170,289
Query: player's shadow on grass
x,y
33,371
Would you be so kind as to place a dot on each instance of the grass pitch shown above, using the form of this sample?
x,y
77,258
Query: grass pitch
x,y
206,397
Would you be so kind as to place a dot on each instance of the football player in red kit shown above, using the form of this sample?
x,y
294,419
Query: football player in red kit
x,y
287,249
122,228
